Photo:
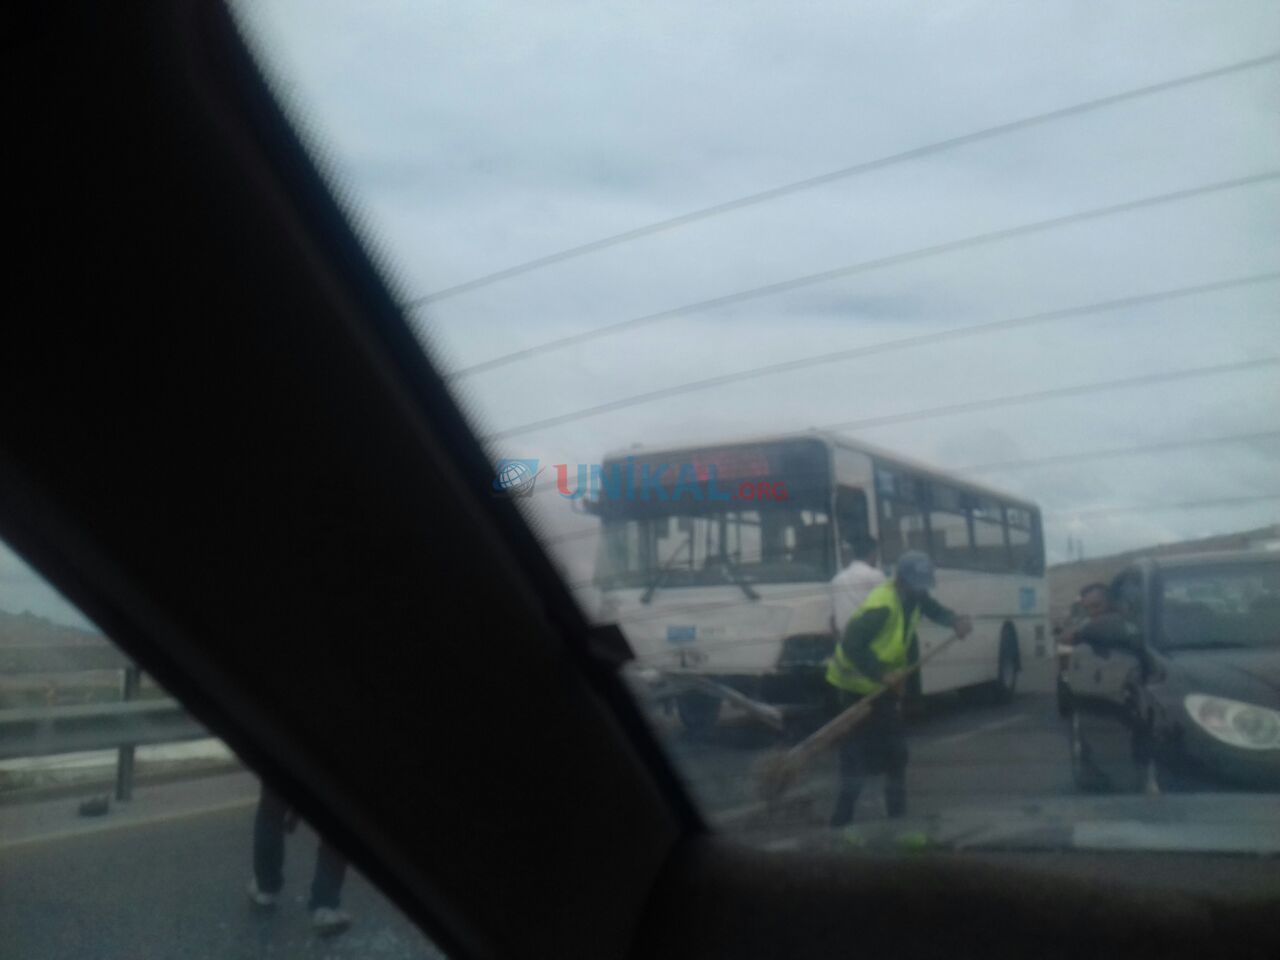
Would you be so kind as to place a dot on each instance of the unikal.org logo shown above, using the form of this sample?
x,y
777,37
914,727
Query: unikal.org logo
x,y
515,478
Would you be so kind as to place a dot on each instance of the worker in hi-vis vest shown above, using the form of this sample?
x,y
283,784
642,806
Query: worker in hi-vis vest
x,y
875,648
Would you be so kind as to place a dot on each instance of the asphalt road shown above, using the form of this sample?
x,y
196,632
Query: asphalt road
x,y
962,751
164,876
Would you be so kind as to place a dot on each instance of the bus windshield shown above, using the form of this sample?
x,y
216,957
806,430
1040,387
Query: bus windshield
x,y
731,515
694,545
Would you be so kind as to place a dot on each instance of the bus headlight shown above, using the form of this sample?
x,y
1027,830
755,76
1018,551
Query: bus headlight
x,y
1243,725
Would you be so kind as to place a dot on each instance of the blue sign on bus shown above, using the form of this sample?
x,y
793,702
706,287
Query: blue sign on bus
x,y
682,634
1027,599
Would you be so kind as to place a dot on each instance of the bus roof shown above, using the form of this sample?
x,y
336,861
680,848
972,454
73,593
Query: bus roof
x,y
831,439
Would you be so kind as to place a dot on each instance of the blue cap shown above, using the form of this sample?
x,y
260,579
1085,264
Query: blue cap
x,y
915,570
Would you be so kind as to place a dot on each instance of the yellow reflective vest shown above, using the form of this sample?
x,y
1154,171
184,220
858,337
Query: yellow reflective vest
x,y
890,645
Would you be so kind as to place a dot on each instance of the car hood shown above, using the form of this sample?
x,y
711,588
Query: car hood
x,y
1184,823
1249,675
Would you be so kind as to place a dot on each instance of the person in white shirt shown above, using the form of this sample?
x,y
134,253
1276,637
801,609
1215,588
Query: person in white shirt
x,y
851,585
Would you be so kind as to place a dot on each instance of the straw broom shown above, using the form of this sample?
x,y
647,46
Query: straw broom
x,y
780,769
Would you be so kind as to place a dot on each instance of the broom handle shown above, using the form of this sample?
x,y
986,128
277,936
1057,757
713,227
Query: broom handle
x,y
846,720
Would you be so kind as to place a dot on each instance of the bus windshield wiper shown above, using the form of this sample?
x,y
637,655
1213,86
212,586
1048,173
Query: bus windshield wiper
x,y
661,577
735,574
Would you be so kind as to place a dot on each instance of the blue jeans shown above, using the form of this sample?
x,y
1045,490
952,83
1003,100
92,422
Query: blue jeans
x,y
268,855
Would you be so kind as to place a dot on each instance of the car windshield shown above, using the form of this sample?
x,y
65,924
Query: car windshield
x,y
825,344
1222,606
936,315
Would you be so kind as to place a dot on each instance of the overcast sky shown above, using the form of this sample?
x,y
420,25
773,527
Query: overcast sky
x,y
468,137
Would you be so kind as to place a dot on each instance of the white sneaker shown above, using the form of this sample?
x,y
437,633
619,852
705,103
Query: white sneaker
x,y
327,921
260,898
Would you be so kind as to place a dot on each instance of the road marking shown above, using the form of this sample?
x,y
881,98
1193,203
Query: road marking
x,y
976,731
91,829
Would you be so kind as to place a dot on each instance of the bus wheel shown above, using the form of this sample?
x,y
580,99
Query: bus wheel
x,y
1006,683
698,712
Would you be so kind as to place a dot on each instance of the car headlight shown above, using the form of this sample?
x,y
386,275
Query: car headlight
x,y
1238,724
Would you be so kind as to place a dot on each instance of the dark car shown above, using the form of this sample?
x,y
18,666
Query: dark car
x,y
1179,687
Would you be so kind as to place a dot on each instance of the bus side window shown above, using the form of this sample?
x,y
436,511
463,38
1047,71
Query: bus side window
x,y
991,554
949,528
1025,543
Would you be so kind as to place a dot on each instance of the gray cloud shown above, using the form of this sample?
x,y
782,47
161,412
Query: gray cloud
x,y
475,137
469,137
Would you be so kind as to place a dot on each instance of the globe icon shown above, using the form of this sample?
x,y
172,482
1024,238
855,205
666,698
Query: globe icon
x,y
514,476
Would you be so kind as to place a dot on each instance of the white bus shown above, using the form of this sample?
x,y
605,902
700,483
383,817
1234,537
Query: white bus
x,y
716,561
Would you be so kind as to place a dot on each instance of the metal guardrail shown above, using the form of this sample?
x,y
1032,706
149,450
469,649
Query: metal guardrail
x,y
47,731
47,658
122,726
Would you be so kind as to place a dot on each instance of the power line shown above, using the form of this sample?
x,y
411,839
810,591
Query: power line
x,y
954,576
865,266
818,590
1050,512
886,346
1077,457
1117,452
1062,512
1184,505
1053,394
857,169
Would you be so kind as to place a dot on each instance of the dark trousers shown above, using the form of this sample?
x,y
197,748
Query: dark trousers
x,y
877,745
268,855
